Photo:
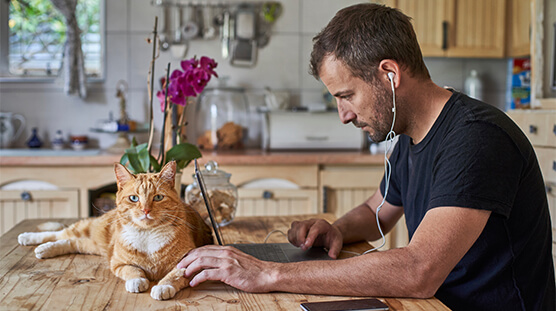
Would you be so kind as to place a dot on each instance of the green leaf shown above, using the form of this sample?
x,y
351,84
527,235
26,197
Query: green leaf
x,y
124,159
144,158
133,142
156,166
135,163
183,154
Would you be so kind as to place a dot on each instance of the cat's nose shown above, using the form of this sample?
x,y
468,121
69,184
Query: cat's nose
x,y
146,211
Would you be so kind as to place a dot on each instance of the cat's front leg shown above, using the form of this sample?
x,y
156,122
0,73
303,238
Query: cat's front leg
x,y
172,283
35,238
134,277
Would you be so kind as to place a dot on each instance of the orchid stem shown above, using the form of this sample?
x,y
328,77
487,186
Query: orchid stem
x,y
166,108
151,87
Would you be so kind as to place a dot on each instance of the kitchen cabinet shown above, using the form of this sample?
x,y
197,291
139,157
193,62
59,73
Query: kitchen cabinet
x,y
540,128
17,205
69,199
281,183
458,28
518,27
345,187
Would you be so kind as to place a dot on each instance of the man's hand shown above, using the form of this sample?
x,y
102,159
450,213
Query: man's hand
x,y
229,265
316,232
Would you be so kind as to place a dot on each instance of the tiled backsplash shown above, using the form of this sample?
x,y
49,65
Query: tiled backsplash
x,y
282,65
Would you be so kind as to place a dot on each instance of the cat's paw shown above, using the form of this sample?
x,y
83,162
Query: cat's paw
x,y
50,249
28,238
137,285
163,292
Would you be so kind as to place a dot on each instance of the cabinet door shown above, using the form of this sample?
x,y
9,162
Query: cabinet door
x,y
261,202
518,38
16,205
476,28
457,28
345,187
428,17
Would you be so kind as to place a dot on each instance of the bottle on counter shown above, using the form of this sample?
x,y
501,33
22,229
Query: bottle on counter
x,y
473,86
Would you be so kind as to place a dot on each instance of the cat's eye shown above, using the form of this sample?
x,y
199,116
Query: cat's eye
x,y
133,198
158,197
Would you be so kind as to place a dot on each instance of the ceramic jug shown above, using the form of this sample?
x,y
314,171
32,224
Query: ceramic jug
x,y
8,132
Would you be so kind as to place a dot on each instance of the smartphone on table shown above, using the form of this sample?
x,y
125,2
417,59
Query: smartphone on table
x,y
345,305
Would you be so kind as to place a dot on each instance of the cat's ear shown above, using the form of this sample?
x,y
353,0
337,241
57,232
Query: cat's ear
x,y
122,174
168,172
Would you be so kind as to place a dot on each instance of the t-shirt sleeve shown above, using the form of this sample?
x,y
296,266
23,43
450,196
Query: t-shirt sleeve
x,y
478,166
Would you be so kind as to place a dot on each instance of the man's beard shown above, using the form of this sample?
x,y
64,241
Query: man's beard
x,y
383,114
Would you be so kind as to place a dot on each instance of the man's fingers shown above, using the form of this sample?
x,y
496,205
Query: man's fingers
x,y
335,248
205,275
298,232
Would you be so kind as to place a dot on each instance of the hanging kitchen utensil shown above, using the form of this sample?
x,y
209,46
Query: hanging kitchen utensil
x,y
179,45
243,43
270,11
209,32
189,28
225,33
166,24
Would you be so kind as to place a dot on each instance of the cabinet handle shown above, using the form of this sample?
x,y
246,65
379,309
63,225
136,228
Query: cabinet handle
x,y
533,129
26,196
554,129
316,138
267,194
444,35
554,165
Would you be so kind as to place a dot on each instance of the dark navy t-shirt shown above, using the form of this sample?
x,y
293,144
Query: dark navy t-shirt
x,y
474,156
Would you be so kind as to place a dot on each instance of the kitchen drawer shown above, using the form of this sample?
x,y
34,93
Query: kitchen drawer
x,y
534,125
17,205
547,162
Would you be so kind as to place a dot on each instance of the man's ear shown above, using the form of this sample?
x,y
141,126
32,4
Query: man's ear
x,y
389,69
123,175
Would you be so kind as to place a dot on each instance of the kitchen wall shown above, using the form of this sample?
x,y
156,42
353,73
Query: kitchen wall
x,y
282,65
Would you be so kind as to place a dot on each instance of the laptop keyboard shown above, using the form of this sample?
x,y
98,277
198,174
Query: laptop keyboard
x,y
265,252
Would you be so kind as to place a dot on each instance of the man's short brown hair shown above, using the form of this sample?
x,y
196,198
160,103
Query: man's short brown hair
x,y
364,34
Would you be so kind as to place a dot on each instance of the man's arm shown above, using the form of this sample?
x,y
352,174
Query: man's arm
x,y
359,224
417,270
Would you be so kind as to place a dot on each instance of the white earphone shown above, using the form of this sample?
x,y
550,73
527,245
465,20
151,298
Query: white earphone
x,y
391,76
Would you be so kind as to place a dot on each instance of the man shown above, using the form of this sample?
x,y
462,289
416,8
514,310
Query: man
x,y
466,178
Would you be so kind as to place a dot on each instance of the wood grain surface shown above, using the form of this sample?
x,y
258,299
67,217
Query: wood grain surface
x,y
84,282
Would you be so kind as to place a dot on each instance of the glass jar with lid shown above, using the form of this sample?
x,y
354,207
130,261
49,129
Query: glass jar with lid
x,y
221,118
222,194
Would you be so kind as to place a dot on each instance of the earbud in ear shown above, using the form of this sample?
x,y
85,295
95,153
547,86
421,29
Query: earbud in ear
x,y
390,76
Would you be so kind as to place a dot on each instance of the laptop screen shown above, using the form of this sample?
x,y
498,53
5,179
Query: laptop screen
x,y
208,204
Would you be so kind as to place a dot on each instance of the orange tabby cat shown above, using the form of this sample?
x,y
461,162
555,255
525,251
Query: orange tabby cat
x,y
144,237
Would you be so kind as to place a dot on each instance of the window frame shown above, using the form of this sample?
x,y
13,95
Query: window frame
x,y
5,75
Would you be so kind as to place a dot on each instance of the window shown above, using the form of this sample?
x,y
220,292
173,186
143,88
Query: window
x,y
33,33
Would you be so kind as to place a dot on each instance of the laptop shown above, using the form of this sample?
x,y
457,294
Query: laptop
x,y
276,252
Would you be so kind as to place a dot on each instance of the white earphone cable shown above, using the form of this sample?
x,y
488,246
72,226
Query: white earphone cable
x,y
387,167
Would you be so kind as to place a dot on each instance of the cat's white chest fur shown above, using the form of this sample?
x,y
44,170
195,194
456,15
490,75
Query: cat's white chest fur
x,y
146,241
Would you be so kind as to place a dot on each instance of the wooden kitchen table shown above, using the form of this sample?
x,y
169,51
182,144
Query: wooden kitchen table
x,y
84,282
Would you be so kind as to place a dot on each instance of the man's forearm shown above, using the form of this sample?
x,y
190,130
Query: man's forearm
x,y
392,273
359,224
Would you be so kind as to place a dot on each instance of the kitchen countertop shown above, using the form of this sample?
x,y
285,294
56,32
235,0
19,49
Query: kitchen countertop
x,y
96,157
